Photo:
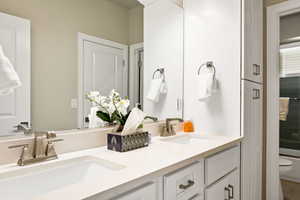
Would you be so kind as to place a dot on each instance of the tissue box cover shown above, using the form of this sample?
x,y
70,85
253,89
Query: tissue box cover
x,y
123,143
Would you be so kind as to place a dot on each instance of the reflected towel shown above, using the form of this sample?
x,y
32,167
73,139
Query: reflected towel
x,y
155,90
9,78
206,85
284,108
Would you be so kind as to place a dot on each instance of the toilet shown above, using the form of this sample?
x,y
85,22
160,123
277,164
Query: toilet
x,y
285,166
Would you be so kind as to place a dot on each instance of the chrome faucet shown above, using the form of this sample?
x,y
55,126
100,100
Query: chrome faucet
x,y
43,149
169,129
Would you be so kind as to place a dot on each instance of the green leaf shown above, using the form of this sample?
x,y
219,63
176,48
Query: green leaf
x,y
104,116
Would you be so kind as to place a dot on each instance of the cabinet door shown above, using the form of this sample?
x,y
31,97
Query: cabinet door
x,y
253,40
147,192
225,189
252,142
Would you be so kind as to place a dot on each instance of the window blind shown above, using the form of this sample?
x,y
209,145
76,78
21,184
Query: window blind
x,y
290,61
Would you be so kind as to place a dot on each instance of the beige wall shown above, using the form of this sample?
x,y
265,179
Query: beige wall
x,y
289,26
136,25
55,24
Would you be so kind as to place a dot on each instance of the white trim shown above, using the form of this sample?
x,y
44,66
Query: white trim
x,y
133,49
273,46
81,38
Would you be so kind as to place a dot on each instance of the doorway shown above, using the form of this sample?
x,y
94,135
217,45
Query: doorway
x,y
103,66
274,14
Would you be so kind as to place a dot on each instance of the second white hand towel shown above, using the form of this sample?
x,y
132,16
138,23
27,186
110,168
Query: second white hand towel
x,y
155,90
206,85
9,78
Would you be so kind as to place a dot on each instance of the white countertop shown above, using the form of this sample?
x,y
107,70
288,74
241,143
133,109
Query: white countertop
x,y
140,163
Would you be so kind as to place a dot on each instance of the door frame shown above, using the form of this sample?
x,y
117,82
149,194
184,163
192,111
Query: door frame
x,y
81,37
133,50
272,139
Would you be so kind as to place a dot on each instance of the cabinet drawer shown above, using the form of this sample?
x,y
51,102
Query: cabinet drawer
x,y
220,164
185,183
227,188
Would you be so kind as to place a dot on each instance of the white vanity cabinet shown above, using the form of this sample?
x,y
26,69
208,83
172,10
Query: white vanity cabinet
x,y
185,183
253,40
222,175
252,143
215,177
226,188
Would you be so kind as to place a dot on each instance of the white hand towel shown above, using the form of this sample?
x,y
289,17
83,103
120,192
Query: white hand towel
x,y
164,87
134,120
9,78
155,90
206,85
95,121
284,108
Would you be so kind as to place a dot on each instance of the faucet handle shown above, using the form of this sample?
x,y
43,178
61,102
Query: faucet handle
x,y
25,155
50,150
18,146
51,135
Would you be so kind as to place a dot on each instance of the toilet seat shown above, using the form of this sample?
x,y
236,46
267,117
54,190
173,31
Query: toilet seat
x,y
285,162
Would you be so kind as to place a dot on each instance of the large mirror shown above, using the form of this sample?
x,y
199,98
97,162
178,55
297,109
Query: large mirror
x,y
63,50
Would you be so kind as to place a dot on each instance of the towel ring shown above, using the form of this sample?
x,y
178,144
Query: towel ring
x,y
161,72
209,65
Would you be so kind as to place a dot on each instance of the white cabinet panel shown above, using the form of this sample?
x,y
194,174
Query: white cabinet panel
x,y
252,142
225,189
147,192
253,40
221,164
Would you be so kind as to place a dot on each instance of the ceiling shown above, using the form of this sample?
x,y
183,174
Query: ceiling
x,y
127,3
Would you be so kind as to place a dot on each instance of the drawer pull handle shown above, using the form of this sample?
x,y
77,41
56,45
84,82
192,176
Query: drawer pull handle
x,y
188,185
256,69
231,188
227,193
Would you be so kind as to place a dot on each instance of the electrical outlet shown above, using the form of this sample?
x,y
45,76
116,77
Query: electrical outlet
x,y
74,103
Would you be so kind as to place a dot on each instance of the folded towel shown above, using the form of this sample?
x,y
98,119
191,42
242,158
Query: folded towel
x,y
155,90
284,108
9,78
206,85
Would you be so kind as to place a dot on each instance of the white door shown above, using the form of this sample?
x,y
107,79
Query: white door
x,y
252,142
15,40
104,67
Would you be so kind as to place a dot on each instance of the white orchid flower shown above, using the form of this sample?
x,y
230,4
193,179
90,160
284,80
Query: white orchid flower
x,y
123,105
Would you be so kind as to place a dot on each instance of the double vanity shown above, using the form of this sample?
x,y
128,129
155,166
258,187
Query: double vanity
x,y
184,167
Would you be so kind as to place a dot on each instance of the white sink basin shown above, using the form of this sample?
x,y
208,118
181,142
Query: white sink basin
x,y
187,139
31,182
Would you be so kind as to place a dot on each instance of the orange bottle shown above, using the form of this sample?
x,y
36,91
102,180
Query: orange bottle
x,y
188,126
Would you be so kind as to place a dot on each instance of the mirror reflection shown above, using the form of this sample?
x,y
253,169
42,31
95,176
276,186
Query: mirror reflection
x,y
54,53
